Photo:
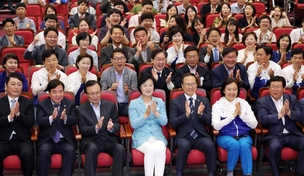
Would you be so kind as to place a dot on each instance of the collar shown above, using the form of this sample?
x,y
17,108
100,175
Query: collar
x,y
55,103
10,98
193,96
117,74
114,47
190,68
227,68
156,71
93,104
281,99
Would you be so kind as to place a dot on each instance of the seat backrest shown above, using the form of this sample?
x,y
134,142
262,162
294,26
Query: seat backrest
x,y
99,21
27,34
210,18
72,68
62,9
260,7
177,92
31,71
298,45
159,93
157,18
33,10
273,45
98,11
278,31
215,94
265,91
105,94
45,95
238,46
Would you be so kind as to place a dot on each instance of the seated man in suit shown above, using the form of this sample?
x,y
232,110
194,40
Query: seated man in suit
x,y
192,66
212,7
279,112
160,72
98,123
51,39
119,78
117,35
141,53
9,39
212,52
51,20
42,77
16,120
189,115
82,13
55,117
114,18
230,68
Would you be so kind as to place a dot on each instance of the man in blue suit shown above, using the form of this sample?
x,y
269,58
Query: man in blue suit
x,y
230,68
189,115
279,112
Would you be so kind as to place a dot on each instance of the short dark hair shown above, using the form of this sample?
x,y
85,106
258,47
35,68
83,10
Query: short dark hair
x,y
20,5
9,56
82,1
119,2
196,20
174,30
90,83
228,50
118,50
247,34
146,16
85,19
48,52
213,29
48,29
190,74
117,26
190,48
8,20
156,51
278,78
297,51
53,84
143,78
267,49
83,36
116,11
265,17
50,16
51,7
227,82
83,55
146,2
13,75
282,36
140,28
253,8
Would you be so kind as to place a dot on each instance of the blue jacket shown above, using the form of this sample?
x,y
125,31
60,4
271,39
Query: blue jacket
x,y
235,128
3,78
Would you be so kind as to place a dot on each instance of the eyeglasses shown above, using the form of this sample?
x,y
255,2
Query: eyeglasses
x,y
160,59
91,94
276,87
119,58
190,84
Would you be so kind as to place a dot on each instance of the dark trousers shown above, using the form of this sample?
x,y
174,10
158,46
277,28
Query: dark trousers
x,y
123,109
9,2
24,150
204,144
117,151
47,149
275,146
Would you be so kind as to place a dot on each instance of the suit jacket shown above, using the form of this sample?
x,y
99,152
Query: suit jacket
x,y
268,116
183,125
136,63
202,71
207,9
74,20
37,52
108,77
45,109
22,124
220,74
203,53
18,39
106,52
88,120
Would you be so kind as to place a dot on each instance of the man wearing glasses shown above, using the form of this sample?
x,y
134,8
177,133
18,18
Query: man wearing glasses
x,y
279,112
190,113
119,78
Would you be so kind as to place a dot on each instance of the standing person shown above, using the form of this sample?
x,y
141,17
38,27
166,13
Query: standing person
x,y
279,112
147,115
98,123
189,115
55,117
16,120
233,117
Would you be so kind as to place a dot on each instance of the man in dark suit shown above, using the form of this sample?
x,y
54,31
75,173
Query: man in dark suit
x,y
279,112
160,72
212,52
212,7
51,38
141,53
16,121
10,5
82,13
230,68
10,39
189,115
55,117
202,73
98,123
117,33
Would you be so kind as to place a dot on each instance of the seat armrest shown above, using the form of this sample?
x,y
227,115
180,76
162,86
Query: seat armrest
x,y
128,130
77,133
171,131
263,130
34,135
122,131
300,126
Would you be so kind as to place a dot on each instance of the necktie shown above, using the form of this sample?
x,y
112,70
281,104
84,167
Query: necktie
x,y
13,102
193,133
56,137
215,55
158,80
174,62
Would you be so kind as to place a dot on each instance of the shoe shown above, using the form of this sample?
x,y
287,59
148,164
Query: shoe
x,y
2,7
11,8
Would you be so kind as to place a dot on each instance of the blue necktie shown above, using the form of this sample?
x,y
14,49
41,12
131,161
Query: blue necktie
x,y
13,102
56,137
193,133
215,55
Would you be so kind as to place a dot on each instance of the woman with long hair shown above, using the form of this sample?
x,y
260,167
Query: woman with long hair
x,y
231,34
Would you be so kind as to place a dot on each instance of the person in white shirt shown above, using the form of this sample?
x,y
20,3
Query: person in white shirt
x,y
51,20
262,70
294,73
279,18
147,7
42,77
264,34
40,2
246,55
76,80
297,35
238,7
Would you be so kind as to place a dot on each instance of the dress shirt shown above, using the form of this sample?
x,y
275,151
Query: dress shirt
x,y
74,54
172,54
207,58
121,97
34,2
265,39
235,8
97,112
61,39
22,23
133,22
288,73
295,35
194,98
74,81
279,104
170,85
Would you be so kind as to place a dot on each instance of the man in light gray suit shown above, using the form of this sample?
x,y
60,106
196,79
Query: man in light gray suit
x,y
141,53
10,39
119,78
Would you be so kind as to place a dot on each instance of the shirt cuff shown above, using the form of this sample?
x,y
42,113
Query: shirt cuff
x,y
207,59
170,85
30,48
111,130
8,118
50,119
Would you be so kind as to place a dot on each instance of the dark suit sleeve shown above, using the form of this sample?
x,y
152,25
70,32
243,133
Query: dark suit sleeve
x,y
264,115
202,54
24,83
72,22
301,103
177,119
29,55
42,115
131,58
114,116
63,60
104,58
71,114
177,78
295,110
206,116
20,41
244,77
216,80
207,85
92,22
26,117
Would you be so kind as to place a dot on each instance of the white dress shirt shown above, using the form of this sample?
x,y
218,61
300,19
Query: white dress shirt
x,y
74,81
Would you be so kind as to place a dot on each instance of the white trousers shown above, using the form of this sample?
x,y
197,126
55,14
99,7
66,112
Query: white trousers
x,y
155,156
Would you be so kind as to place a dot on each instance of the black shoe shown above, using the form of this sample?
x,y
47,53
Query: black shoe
x,y
11,8
1,7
